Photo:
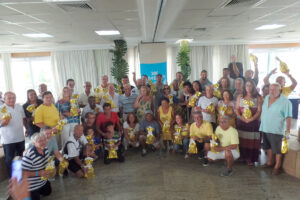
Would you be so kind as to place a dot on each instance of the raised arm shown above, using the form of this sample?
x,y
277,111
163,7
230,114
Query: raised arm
x,y
294,82
266,79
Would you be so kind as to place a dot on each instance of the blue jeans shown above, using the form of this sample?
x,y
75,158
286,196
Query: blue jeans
x,y
10,151
185,145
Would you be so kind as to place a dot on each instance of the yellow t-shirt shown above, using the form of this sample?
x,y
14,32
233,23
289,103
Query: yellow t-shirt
x,y
227,137
48,115
286,91
204,130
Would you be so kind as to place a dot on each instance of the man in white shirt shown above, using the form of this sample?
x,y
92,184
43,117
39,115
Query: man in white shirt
x,y
91,107
73,148
12,133
83,97
204,102
112,98
42,89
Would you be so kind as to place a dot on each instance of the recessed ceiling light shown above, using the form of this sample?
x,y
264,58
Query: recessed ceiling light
x,y
189,40
108,32
270,26
37,35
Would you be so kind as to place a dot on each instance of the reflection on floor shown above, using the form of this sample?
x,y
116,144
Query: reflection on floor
x,y
165,176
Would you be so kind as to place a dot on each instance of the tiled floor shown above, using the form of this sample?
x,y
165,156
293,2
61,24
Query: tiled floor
x,y
172,177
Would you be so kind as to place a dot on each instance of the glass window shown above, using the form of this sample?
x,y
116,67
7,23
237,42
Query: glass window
x,y
2,81
28,73
267,62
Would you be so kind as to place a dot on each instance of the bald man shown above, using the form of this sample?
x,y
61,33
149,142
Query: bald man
x,y
12,133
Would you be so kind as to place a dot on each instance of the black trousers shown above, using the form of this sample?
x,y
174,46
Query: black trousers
x,y
200,149
119,153
10,151
44,191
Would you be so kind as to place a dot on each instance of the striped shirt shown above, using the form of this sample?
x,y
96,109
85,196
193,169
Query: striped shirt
x,y
33,161
127,102
114,140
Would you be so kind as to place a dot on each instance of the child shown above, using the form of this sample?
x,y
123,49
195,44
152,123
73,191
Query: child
x,y
112,141
94,141
181,131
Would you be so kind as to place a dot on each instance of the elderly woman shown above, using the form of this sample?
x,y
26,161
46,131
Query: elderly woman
x,y
131,128
143,103
34,163
64,108
31,100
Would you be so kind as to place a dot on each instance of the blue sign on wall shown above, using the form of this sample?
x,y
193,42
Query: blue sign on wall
x,y
151,70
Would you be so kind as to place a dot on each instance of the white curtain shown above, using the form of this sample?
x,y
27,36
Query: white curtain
x,y
103,61
134,63
78,65
6,57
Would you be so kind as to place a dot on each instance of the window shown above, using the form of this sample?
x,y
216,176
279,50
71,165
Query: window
x,y
2,81
267,62
28,73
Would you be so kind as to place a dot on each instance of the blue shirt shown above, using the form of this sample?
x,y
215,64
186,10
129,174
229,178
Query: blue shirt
x,y
273,118
127,102
144,124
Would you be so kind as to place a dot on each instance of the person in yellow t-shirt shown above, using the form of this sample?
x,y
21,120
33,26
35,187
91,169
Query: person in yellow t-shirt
x,y
46,114
285,90
165,115
200,132
228,149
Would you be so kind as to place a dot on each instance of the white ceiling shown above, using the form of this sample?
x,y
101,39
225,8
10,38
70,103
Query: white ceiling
x,y
147,21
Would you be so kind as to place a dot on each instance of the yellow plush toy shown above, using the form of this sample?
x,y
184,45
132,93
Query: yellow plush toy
x,y
150,137
88,164
193,147
50,168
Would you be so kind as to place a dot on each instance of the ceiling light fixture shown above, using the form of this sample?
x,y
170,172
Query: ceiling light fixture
x,y
270,27
37,35
189,40
108,32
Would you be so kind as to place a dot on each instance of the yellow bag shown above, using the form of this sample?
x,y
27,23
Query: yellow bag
x,y
50,168
247,114
88,164
59,126
62,167
5,114
211,108
283,66
193,147
284,145
217,92
193,100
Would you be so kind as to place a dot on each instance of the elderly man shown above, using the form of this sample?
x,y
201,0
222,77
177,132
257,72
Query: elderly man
x,y
204,80
250,75
285,90
275,123
111,96
34,163
228,147
42,89
149,121
126,102
74,149
206,102
12,133
238,88
200,132
91,107
83,97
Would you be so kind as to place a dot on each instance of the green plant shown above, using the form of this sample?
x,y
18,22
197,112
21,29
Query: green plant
x,y
183,59
120,66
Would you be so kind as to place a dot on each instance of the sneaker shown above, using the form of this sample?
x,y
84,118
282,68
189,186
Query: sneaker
x,y
205,162
144,152
186,156
200,158
226,173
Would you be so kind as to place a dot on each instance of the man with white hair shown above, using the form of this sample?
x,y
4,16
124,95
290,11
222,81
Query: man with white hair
x,y
42,89
112,98
139,84
12,133
83,97
228,148
126,102
275,124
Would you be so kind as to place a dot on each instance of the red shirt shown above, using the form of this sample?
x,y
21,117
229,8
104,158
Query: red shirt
x,y
102,120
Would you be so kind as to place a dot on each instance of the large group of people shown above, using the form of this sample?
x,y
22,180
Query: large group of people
x,y
228,120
